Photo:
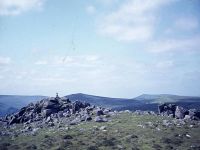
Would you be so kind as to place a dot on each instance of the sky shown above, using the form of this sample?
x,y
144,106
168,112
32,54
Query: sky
x,y
102,47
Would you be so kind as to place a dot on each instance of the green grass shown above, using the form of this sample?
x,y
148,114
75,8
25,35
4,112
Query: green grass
x,y
122,132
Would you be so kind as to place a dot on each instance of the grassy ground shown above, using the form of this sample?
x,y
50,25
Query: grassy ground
x,y
124,131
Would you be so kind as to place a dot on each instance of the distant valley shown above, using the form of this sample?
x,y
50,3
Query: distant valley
x,y
12,103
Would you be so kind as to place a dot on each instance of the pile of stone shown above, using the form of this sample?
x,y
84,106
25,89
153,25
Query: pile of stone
x,y
54,109
178,112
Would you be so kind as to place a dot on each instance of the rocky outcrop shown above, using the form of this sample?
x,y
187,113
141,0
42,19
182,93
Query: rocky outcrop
x,y
51,109
167,109
178,112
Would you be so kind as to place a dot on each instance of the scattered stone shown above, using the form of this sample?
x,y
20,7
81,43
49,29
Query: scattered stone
x,y
132,136
187,117
86,117
150,124
51,124
75,121
158,129
102,128
140,125
120,146
127,111
67,137
48,119
166,123
100,119
188,136
106,111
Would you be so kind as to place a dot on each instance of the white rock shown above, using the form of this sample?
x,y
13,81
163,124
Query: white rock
x,y
102,128
187,135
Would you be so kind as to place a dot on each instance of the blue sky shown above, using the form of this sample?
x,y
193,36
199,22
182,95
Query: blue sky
x,y
104,47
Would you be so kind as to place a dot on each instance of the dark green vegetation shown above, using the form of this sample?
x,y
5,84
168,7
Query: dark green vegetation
x,y
124,131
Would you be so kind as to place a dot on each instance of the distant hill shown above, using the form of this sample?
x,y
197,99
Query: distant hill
x,y
163,98
113,103
11,103
142,102
102,101
184,101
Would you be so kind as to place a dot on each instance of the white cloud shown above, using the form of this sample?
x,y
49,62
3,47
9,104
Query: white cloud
x,y
187,23
107,2
53,79
164,64
190,44
90,9
1,77
16,7
41,62
5,60
91,58
133,21
78,60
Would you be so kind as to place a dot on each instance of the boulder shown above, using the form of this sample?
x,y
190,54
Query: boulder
x,y
48,119
47,112
86,117
102,128
166,123
75,121
22,111
194,114
106,111
76,106
51,105
66,114
127,111
51,124
187,117
60,114
138,112
197,115
100,119
99,112
167,109
180,112
13,120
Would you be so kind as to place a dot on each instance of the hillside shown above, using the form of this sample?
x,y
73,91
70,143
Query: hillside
x,y
126,131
